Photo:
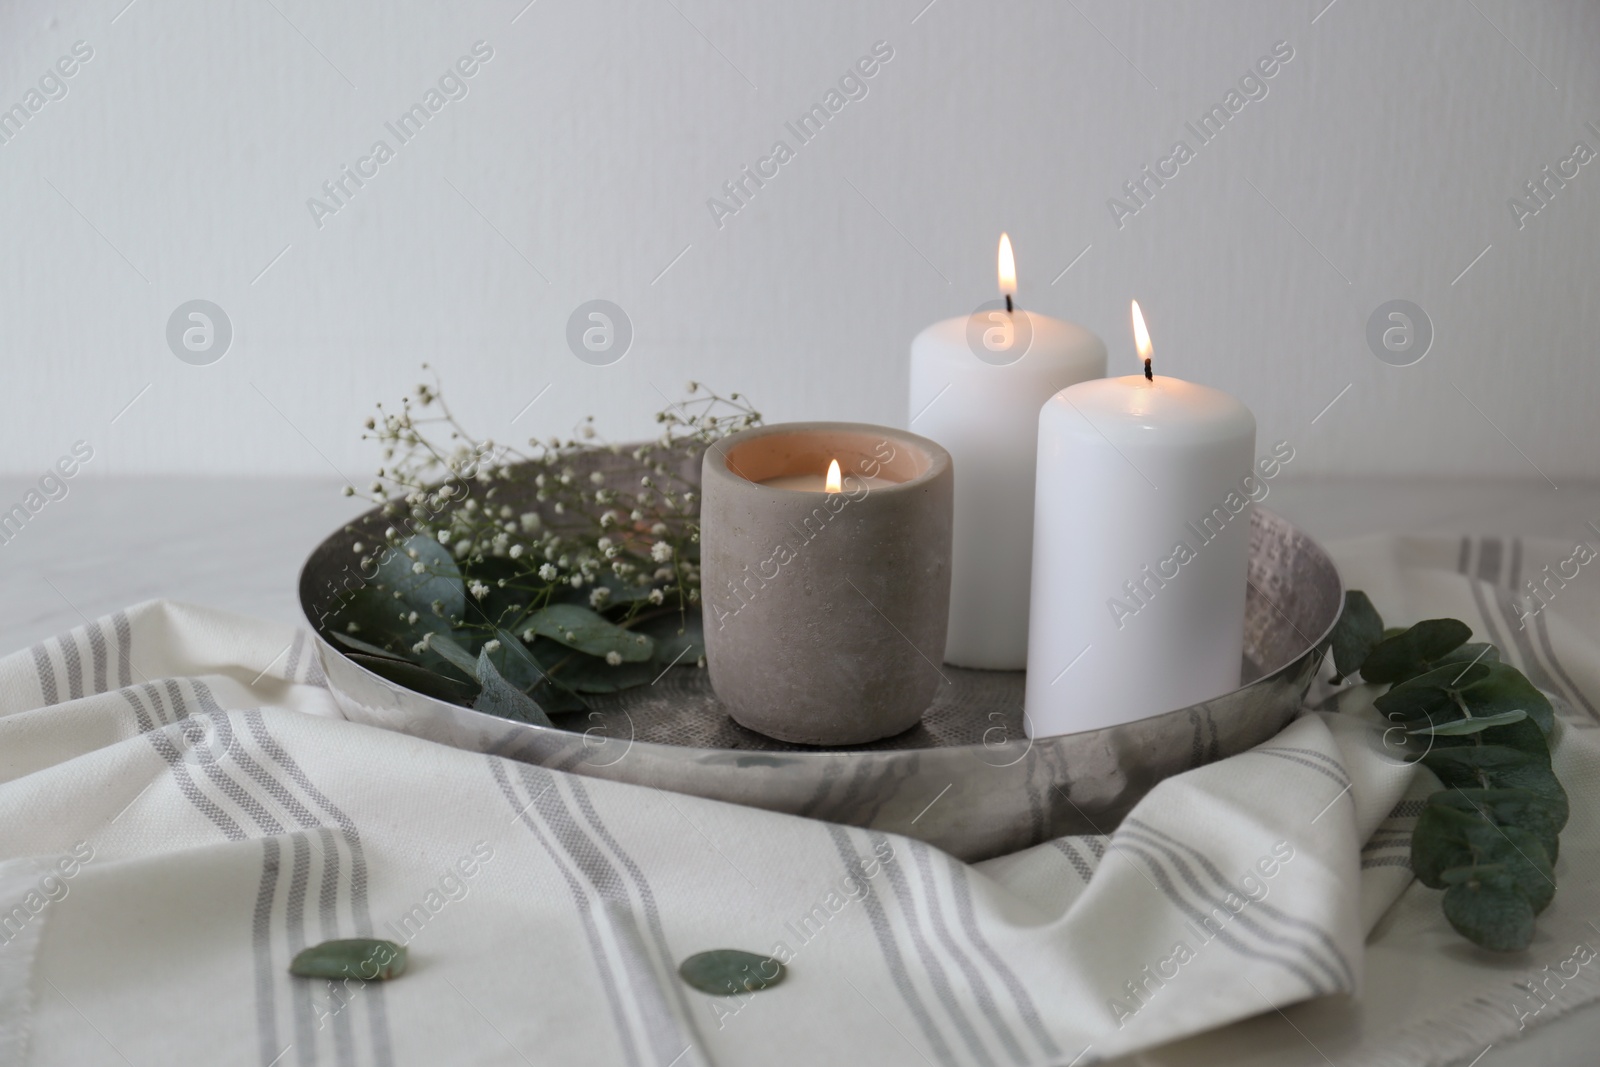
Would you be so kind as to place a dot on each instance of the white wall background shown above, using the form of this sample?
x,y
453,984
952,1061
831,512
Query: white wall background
x,y
1379,166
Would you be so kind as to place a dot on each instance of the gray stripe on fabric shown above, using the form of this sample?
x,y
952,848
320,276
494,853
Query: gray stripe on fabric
x,y
294,928
1388,840
1406,809
97,655
375,1000
1523,639
1489,558
328,923
932,965
1097,845
975,980
651,911
1570,688
194,730
891,951
1062,846
74,664
119,622
1312,753
1245,917
1164,883
591,933
1492,632
47,674
186,785
140,715
1302,761
1388,861
232,748
1271,911
661,1023
261,948
962,892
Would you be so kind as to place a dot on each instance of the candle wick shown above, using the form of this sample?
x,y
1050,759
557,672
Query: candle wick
x,y
1148,376
1008,303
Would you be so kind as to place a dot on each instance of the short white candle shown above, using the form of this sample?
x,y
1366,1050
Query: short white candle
x,y
984,409
1141,543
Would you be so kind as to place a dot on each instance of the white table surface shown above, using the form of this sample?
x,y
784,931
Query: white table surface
x,y
238,544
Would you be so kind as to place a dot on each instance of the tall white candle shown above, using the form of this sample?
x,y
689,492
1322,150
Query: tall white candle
x,y
977,384
1141,542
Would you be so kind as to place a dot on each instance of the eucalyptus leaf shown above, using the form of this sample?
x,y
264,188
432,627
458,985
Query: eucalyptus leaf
x,y
1497,767
1414,650
1356,634
516,663
364,958
1522,735
673,646
364,646
1439,840
1450,839
585,674
1476,724
383,605
458,657
1505,689
1423,702
1452,677
424,681
1472,652
724,972
499,697
587,631
1484,906
1505,807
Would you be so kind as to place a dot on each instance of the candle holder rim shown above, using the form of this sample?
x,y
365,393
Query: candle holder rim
x,y
938,456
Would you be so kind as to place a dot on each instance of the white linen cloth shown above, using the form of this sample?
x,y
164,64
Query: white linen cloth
x,y
184,810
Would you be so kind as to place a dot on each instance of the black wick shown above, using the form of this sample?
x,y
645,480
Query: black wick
x,y
1008,303
1149,377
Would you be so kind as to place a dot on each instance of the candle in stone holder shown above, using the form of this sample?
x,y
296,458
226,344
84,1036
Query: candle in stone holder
x,y
825,576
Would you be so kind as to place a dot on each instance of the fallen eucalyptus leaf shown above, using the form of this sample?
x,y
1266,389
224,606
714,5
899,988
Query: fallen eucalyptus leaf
x,y
365,958
723,972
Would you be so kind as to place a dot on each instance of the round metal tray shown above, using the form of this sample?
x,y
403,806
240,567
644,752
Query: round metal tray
x,y
966,778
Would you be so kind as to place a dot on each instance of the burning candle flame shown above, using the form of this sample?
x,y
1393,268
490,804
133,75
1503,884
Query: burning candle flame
x,y
1007,267
833,485
1141,336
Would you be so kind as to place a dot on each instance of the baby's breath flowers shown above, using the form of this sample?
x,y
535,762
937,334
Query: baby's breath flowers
x,y
574,525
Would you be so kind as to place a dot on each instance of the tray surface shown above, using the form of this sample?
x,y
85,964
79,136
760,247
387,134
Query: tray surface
x,y
1008,791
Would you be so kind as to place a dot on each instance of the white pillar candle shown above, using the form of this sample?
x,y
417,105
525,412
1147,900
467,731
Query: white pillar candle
x,y
977,384
1141,543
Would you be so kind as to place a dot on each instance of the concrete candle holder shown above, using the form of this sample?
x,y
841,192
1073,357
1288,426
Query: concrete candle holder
x,y
826,612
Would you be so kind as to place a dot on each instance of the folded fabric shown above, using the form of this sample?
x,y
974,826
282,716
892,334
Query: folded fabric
x,y
185,811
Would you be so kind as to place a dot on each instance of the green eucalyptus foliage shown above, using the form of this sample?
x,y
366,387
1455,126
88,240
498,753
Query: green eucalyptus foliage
x,y
1490,837
520,584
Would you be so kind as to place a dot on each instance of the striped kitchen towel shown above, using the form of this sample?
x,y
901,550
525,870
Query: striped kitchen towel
x,y
185,810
